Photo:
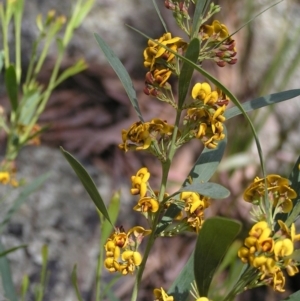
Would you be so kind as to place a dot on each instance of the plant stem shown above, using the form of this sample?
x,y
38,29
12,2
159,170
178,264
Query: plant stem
x,y
165,172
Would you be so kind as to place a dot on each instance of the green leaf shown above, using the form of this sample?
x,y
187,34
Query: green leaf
x,y
22,197
214,239
28,106
261,102
74,282
12,250
77,68
88,183
12,86
180,288
200,8
187,70
212,190
121,72
208,162
113,211
5,272
293,297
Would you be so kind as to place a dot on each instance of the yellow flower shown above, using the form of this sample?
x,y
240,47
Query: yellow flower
x,y
202,299
217,31
161,295
139,182
112,250
4,177
291,267
283,248
140,135
154,51
161,76
203,92
132,260
280,193
258,228
132,257
139,231
137,137
147,204
119,237
278,282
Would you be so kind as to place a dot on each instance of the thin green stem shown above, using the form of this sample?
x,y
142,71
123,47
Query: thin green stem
x,y
165,172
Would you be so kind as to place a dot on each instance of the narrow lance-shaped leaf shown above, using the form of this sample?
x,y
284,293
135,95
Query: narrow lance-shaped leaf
x,y
88,183
12,86
214,239
6,276
180,288
186,73
261,102
121,72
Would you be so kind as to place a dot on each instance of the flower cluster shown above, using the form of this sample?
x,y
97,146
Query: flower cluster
x,y
269,253
121,250
141,135
279,193
140,183
218,45
195,204
161,62
204,119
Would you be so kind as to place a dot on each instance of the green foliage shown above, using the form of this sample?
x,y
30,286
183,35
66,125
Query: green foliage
x,y
121,72
12,86
214,239
88,183
187,70
7,282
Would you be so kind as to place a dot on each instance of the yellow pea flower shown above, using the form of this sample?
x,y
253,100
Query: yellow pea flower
x,y
4,177
161,295
147,204
283,247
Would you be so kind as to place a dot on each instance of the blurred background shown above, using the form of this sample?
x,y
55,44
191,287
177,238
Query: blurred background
x,y
87,113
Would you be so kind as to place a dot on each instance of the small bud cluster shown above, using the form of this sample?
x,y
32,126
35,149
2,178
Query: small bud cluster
x,y
217,44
